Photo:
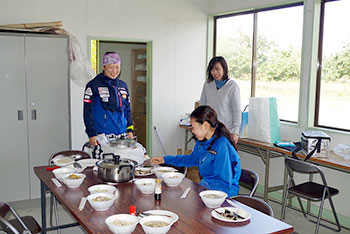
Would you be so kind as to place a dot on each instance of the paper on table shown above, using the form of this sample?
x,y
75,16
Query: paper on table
x,y
82,203
55,181
184,195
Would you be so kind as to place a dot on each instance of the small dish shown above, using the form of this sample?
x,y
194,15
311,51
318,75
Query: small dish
x,y
241,212
63,161
143,171
88,162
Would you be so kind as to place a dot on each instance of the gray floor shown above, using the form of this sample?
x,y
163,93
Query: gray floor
x,y
293,217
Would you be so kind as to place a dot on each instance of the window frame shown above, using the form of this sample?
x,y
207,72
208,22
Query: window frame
x,y
319,71
254,40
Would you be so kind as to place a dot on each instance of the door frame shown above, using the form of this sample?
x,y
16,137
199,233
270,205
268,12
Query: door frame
x,y
148,78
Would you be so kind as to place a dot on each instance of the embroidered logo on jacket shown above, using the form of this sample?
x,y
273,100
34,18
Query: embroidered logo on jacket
x,y
103,91
88,91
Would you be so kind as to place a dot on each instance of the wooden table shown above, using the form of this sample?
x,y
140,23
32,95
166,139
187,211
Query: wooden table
x,y
194,216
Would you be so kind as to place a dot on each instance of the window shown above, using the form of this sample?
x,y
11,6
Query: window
x,y
263,52
333,80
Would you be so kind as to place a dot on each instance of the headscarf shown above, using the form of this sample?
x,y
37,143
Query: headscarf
x,y
111,58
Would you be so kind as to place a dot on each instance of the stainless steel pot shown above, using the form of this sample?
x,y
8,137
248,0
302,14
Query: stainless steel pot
x,y
116,170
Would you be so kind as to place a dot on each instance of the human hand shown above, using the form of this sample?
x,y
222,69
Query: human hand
x,y
235,138
130,135
93,140
157,160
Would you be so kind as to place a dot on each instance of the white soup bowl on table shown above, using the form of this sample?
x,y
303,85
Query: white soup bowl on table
x,y
101,205
156,230
122,223
73,183
213,198
173,179
102,188
59,172
145,185
160,170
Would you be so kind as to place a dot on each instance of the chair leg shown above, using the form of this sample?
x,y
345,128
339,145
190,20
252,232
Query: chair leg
x,y
284,205
320,212
51,209
334,213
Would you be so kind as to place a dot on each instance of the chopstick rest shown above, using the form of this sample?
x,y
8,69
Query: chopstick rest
x,y
184,195
82,203
55,181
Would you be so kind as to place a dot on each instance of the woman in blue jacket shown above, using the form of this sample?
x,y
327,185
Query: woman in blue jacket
x,y
214,154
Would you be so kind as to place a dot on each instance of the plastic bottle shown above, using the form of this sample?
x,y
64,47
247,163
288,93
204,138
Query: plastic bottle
x,y
158,190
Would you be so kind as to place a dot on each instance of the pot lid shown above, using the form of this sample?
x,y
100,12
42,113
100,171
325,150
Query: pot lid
x,y
116,162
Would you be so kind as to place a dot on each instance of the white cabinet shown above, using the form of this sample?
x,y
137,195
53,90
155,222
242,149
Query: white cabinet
x,y
34,119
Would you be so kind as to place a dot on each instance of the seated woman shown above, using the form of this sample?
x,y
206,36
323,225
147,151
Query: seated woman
x,y
214,154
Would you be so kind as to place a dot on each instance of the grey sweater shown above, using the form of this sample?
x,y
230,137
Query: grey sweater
x,y
226,101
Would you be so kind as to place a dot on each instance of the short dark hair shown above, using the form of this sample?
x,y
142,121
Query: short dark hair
x,y
213,61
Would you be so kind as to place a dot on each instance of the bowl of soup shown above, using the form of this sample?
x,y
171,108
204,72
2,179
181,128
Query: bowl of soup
x,y
122,223
161,170
73,180
156,224
173,179
101,201
213,198
145,185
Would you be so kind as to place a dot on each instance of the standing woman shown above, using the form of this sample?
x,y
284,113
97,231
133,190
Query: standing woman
x,y
223,95
214,154
107,103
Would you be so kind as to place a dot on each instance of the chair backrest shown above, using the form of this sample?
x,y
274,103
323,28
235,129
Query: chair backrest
x,y
255,203
294,165
4,223
77,154
249,179
4,209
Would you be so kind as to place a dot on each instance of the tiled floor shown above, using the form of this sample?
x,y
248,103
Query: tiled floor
x,y
294,218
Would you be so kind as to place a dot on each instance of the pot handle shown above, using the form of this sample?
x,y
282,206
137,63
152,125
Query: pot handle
x,y
107,154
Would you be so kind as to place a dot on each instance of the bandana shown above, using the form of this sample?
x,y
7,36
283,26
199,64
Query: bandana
x,y
111,58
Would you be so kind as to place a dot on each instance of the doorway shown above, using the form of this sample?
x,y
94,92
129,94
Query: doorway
x,y
136,72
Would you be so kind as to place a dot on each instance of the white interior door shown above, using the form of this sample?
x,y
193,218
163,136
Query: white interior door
x,y
48,101
14,181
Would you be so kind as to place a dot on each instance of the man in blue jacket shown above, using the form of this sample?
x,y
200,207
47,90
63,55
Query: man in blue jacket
x,y
107,103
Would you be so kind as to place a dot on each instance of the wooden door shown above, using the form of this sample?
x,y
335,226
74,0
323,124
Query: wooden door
x,y
139,95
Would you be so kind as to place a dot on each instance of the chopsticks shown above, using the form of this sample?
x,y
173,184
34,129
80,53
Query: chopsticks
x,y
82,203
184,195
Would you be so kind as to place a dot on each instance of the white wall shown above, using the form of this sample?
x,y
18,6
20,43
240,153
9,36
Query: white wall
x,y
177,29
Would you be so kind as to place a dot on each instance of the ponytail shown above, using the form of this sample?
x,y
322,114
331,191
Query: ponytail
x,y
221,130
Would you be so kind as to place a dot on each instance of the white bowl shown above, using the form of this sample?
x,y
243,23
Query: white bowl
x,y
146,185
173,179
160,170
156,230
130,222
213,198
101,205
59,172
73,183
101,188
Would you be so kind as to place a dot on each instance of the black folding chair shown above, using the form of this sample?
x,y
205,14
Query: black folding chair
x,y
255,203
17,225
309,190
249,179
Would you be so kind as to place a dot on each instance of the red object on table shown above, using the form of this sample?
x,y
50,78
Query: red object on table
x,y
132,210
51,168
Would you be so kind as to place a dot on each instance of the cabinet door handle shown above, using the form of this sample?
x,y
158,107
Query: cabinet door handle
x,y
20,115
33,114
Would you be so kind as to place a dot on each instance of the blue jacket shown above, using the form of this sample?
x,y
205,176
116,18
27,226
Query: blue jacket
x,y
107,106
220,171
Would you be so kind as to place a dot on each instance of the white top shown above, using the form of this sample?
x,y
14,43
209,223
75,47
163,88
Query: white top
x,y
226,101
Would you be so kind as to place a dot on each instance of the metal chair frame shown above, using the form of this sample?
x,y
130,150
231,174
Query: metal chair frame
x,y
255,203
294,165
250,180
53,201
18,219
